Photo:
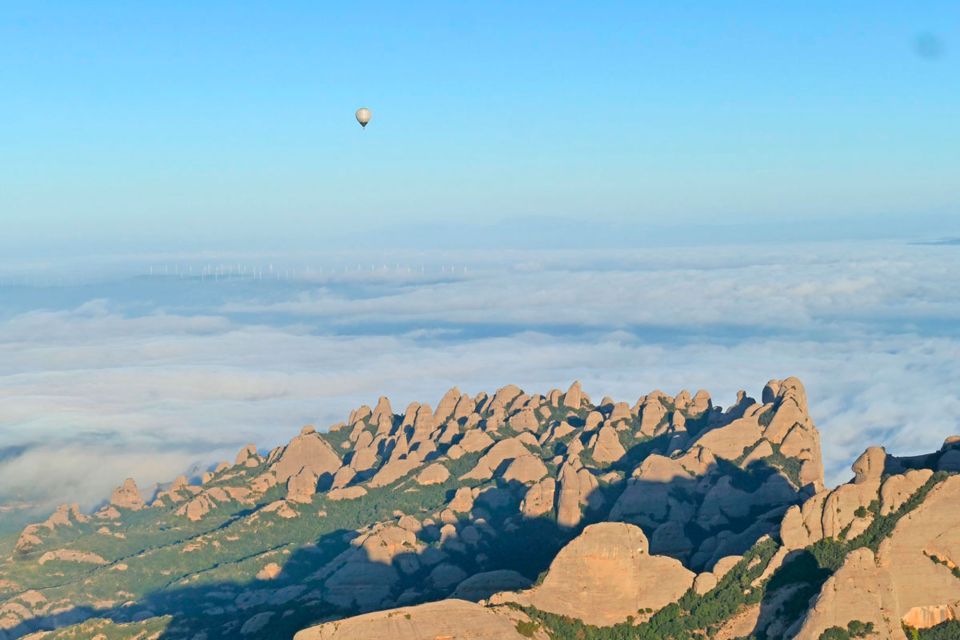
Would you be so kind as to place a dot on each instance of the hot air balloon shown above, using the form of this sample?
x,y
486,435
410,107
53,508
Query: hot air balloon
x,y
363,116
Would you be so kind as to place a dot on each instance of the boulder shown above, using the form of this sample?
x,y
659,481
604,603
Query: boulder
x,y
436,473
539,499
127,496
620,412
449,432
358,415
931,616
723,566
731,440
346,493
256,624
526,469
446,575
506,449
446,406
382,410
573,397
465,407
462,501
444,620
474,441
897,489
593,420
504,396
366,574
282,508
248,452
652,413
270,571
607,448
409,523
481,586
606,575
364,458
578,489
762,451
870,465
306,451
302,487
343,477
910,570
557,432
394,470
646,499
525,420
704,582
263,482
71,555
792,429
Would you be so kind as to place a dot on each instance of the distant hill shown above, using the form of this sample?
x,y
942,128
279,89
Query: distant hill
x,y
14,514
513,515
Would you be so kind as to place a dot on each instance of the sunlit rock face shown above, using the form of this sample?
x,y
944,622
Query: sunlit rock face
x,y
613,511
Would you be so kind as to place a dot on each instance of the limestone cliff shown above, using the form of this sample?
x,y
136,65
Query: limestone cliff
x,y
667,514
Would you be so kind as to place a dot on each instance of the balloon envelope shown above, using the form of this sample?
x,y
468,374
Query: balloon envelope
x,y
363,116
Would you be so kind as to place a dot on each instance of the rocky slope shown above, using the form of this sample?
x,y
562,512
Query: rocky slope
x,y
895,532
512,515
874,558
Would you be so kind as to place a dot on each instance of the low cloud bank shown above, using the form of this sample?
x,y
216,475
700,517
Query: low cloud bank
x,y
147,378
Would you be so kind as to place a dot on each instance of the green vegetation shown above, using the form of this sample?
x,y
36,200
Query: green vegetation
x,y
177,577
639,451
882,526
805,573
949,630
109,630
953,569
855,629
170,564
527,628
829,553
766,417
684,619
338,437
790,466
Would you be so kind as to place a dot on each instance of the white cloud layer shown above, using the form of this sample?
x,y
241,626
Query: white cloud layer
x,y
145,378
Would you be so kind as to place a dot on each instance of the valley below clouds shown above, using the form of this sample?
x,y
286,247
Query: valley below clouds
x,y
123,373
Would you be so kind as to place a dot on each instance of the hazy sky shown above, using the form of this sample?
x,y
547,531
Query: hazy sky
x,y
176,135
184,125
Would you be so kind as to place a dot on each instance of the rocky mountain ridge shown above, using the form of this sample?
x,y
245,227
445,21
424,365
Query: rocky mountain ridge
x,y
632,516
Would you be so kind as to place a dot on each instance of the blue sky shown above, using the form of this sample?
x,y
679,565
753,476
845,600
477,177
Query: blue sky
x,y
182,126
137,135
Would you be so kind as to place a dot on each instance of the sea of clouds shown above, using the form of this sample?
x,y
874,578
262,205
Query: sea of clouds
x,y
123,373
